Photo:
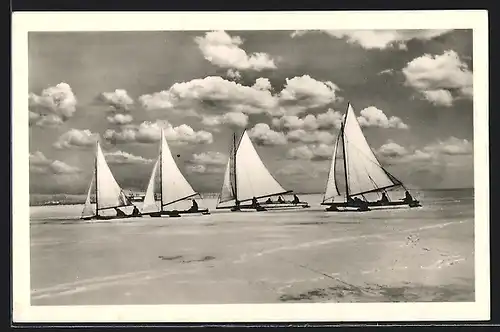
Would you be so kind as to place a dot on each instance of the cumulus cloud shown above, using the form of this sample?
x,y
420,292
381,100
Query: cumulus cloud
x,y
262,134
49,120
439,78
222,50
150,132
386,72
311,152
54,102
120,119
379,39
392,152
233,74
209,158
303,92
234,119
374,117
124,158
42,165
76,138
215,94
204,169
118,99
317,136
329,119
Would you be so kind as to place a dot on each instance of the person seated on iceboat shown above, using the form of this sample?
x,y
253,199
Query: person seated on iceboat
x,y
408,198
255,203
384,199
295,199
120,213
135,212
280,200
194,206
269,201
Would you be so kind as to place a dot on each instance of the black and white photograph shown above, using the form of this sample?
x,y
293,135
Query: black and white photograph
x,y
270,164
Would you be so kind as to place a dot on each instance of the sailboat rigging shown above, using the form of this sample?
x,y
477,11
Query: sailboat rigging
x,y
173,186
362,173
108,194
247,179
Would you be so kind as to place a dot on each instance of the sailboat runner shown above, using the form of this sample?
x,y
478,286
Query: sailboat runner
x,y
363,175
247,180
108,194
173,186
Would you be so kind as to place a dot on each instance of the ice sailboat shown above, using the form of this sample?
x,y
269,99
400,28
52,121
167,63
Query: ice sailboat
x,y
357,177
108,194
171,184
247,180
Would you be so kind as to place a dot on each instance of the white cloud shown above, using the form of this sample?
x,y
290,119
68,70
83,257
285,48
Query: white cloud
x,y
435,152
118,99
122,157
234,119
209,158
215,94
202,169
120,119
75,138
58,101
392,150
329,119
42,165
311,152
318,136
262,83
440,77
262,134
374,117
303,92
233,74
379,39
150,132
386,72
222,50
439,97
49,120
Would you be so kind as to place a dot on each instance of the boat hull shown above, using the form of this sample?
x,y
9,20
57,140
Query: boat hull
x,y
176,213
344,206
267,207
110,217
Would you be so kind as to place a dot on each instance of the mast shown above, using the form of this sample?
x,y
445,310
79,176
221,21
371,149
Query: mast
x,y
161,167
343,152
96,181
234,169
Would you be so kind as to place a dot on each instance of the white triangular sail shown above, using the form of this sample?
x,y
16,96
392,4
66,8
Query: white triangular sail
x,y
252,176
174,186
88,209
364,172
331,185
150,204
109,193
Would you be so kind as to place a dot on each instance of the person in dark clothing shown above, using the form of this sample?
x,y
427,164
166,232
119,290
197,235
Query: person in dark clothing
x,y
269,201
135,212
280,200
120,213
255,203
384,198
295,200
408,198
194,206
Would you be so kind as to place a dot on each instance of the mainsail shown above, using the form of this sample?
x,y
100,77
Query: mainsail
x,y
108,194
362,172
173,185
246,175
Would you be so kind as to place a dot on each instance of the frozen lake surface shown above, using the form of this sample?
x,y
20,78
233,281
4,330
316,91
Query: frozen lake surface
x,y
421,254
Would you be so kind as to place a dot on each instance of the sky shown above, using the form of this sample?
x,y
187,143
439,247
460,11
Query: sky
x,y
410,89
